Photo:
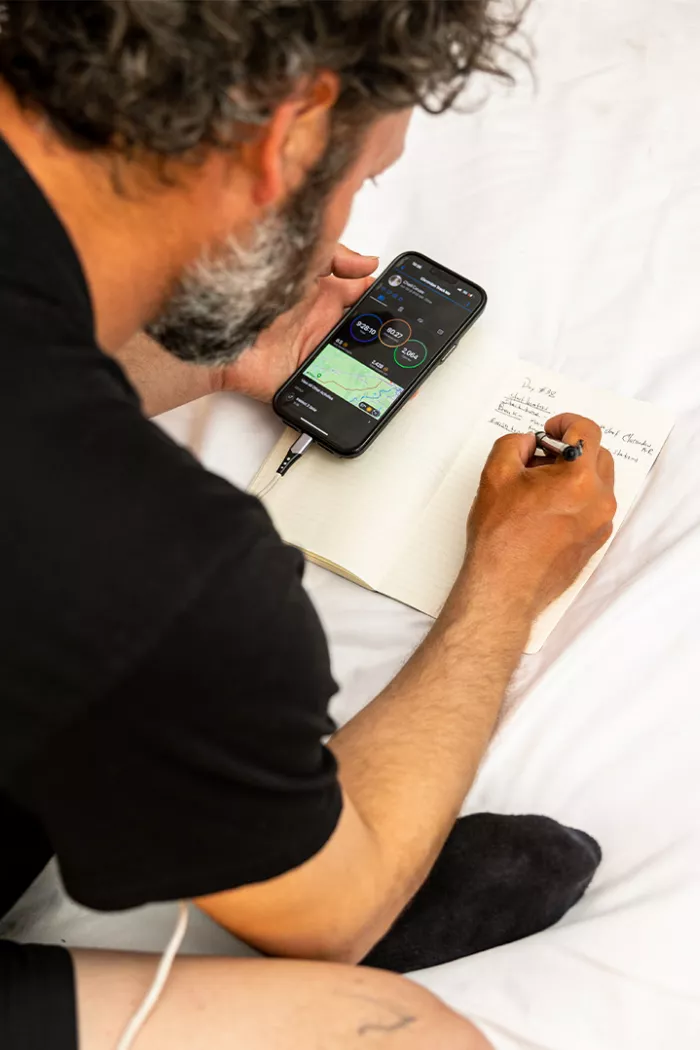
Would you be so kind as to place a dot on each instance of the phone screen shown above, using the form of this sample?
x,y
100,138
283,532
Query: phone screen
x,y
367,366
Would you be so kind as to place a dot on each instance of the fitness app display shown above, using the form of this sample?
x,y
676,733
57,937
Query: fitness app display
x,y
366,367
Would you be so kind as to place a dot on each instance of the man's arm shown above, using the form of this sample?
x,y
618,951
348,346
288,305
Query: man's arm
x,y
408,759
406,763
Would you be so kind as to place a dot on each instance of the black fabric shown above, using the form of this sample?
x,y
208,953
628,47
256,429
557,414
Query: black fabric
x,y
213,775
165,679
25,850
37,998
498,878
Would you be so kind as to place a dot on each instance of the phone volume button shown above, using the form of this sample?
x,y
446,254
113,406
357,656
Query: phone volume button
x,y
447,353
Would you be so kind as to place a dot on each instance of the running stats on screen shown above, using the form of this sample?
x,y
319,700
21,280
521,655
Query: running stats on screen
x,y
384,343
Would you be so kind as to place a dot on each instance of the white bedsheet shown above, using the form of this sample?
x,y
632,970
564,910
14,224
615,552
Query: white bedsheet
x,y
577,206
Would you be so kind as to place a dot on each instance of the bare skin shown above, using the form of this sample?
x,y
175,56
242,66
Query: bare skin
x,y
218,1004
408,760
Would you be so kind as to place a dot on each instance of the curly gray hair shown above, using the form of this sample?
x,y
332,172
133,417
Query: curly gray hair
x,y
169,76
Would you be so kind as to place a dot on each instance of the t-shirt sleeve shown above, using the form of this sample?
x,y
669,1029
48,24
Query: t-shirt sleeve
x,y
205,768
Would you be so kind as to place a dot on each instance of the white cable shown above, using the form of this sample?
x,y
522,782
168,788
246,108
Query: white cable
x,y
154,992
296,451
268,488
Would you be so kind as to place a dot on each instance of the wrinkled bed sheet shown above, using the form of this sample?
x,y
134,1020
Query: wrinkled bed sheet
x,y
576,203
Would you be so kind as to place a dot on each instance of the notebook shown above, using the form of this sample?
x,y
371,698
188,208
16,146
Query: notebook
x,y
394,519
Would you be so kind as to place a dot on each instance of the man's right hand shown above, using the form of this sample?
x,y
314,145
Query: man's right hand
x,y
533,528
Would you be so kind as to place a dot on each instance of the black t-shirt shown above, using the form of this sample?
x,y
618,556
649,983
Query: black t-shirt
x,y
164,679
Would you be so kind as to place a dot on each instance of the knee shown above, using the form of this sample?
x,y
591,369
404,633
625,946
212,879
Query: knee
x,y
418,1016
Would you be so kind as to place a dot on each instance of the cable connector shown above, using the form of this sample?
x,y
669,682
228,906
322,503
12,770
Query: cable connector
x,y
296,452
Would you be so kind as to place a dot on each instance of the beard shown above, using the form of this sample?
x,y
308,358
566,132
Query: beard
x,y
226,299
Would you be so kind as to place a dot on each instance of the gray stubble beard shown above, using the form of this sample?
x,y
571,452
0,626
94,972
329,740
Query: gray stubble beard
x,y
230,295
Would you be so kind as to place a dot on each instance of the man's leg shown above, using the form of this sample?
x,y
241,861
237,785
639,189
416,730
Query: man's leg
x,y
260,1004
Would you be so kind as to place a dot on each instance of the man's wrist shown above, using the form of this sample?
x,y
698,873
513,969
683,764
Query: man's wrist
x,y
162,380
484,594
216,379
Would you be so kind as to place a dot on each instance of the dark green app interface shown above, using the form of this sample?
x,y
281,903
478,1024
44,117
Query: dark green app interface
x,y
409,317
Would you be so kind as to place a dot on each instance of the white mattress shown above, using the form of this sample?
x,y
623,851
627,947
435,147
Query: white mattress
x,y
577,206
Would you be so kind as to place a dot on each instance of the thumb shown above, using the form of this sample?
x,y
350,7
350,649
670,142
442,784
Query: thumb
x,y
350,291
510,455
347,263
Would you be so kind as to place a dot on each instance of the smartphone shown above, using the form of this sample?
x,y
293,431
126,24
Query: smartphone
x,y
386,345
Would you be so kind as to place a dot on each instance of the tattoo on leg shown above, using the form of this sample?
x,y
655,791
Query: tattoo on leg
x,y
401,1022
400,1019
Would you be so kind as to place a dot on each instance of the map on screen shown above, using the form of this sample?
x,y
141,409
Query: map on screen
x,y
354,382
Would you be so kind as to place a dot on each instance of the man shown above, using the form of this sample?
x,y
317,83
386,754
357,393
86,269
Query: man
x,y
189,168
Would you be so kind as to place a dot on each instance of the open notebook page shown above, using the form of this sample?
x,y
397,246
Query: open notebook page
x,y
357,513
523,399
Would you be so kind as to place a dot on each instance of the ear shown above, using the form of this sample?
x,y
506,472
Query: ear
x,y
292,141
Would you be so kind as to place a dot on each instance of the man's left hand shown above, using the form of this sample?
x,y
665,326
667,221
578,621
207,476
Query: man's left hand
x,y
279,350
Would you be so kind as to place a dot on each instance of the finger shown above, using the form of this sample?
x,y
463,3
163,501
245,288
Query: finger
x,y
347,263
347,292
509,456
606,466
542,461
572,428
350,291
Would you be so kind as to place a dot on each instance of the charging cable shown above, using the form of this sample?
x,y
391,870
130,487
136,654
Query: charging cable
x,y
295,452
162,973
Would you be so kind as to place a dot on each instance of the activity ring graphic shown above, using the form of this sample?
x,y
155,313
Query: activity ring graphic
x,y
411,354
398,324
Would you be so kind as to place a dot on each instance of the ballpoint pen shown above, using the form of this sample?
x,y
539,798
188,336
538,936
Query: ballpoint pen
x,y
558,448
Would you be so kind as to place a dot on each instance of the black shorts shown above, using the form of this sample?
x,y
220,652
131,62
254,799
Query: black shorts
x,y
37,998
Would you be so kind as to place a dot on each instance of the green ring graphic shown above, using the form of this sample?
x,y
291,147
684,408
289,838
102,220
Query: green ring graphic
x,y
418,363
